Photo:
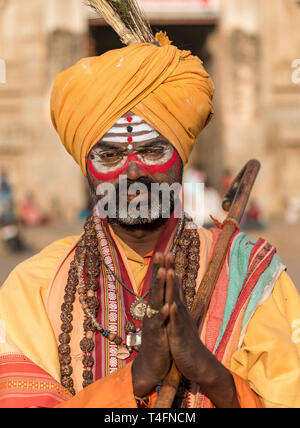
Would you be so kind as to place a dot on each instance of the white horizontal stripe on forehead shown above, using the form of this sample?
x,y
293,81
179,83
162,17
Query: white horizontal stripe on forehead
x,y
135,138
135,119
143,127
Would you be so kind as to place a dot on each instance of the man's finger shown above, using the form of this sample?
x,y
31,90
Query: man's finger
x,y
181,292
157,290
156,321
159,259
164,313
158,262
172,287
173,312
178,324
169,261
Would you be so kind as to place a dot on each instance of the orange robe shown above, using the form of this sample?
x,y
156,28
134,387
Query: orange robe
x,y
30,335
103,392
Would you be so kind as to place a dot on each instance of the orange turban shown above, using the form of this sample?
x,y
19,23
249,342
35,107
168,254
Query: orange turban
x,y
167,87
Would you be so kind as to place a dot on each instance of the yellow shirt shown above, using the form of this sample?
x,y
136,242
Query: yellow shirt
x,y
138,264
270,354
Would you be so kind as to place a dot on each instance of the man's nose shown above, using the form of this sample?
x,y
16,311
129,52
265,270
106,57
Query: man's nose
x,y
135,171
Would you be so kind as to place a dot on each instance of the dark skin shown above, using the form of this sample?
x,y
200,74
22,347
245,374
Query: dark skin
x,y
172,334
141,239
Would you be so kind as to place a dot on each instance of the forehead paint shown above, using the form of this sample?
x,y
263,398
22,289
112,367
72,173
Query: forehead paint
x,y
130,129
148,169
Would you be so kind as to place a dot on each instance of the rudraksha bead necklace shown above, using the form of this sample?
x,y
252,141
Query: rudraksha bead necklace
x,y
87,261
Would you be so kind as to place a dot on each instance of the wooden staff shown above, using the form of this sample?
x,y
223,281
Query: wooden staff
x,y
234,203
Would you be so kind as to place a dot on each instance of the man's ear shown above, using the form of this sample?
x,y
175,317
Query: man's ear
x,y
181,169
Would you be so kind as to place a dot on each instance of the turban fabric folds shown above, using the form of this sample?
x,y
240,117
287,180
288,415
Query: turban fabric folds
x,y
167,87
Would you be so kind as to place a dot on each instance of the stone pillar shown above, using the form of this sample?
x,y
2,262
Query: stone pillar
x,y
281,101
208,151
41,38
260,103
242,116
3,4
66,28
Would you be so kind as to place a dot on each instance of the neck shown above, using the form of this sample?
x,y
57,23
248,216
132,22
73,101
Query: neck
x,y
141,239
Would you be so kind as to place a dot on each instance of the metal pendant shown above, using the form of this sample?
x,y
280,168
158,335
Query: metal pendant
x,y
138,309
134,340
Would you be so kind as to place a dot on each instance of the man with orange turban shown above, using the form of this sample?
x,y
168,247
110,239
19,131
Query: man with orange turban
x,y
96,320
166,87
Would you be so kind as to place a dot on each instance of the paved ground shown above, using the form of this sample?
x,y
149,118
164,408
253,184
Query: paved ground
x,y
285,237
35,238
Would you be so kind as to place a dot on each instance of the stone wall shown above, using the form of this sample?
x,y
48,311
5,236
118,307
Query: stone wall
x,y
258,105
38,39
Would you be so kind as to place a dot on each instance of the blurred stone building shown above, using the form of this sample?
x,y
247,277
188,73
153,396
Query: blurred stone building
x,y
249,47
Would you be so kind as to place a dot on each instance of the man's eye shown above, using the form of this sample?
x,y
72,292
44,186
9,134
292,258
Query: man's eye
x,y
155,152
109,157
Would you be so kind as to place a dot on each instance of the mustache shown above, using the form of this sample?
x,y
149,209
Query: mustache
x,y
126,184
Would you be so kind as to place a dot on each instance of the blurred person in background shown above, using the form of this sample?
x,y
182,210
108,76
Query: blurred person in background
x,y
226,182
8,222
253,217
29,212
212,205
212,202
6,202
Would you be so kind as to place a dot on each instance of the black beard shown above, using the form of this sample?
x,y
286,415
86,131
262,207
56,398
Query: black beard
x,y
151,225
152,216
159,218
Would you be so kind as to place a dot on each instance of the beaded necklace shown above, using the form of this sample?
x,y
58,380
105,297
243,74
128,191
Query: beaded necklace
x,y
87,256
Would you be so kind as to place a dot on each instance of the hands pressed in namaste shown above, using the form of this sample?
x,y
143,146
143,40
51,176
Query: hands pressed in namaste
x,y
172,335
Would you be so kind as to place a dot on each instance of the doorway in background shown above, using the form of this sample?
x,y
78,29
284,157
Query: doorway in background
x,y
195,36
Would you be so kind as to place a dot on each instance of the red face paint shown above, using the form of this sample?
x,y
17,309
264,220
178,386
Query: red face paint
x,y
148,169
